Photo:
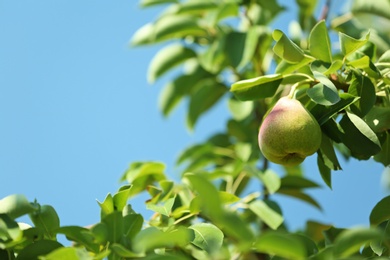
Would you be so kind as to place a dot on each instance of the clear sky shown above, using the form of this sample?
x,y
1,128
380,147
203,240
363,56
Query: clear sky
x,y
75,110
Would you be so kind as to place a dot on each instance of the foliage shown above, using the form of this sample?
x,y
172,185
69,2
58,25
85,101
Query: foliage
x,y
227,51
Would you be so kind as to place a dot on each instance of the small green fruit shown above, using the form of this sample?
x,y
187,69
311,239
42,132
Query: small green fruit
x,y
289,133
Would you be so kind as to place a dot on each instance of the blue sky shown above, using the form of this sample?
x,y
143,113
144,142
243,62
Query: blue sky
x,y
76,109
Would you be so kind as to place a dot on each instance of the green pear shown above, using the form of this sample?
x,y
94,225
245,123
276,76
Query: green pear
x,y
289,133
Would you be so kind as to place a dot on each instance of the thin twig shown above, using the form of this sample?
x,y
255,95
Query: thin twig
x,y
325,10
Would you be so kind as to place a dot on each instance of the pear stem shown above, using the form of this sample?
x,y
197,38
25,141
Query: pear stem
x,y
292,90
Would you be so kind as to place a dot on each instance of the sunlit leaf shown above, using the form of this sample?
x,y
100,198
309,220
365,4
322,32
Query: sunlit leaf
x,y
16,205
298,194
362,87
146,3
80,235
142,174
207,236
121,197
297,182
350,45
256,88
151,238
38,248
167,58
324,171
328,154
378,118
366,64
324,93
281,244
267,214
324,113
270,179
359,137
319,42
384,155
285,67
196,7
206,95
286,49
380,212
208,194
68,253
122,251
181,86
177,26
164,208
377,8
350,241
239,109
9,229
47,219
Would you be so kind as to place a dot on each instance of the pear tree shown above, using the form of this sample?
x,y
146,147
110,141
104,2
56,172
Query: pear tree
x,y
320,89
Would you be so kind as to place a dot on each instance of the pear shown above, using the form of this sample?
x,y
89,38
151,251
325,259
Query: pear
x,y
289,133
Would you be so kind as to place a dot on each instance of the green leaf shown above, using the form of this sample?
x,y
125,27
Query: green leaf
x,y
122,251
297,182
326,68
379,8
324,113
349,45
270,179
350,241
380,212
177,26
9,229
151,238
196,7
38,248
328,154
146,3
281,244
207,237
384,155
324,93
366,64
114,223
361,86
47,219
107,206
359,137
298,194
175,90
68,253
164,209
256,88
144,35
132,225
240,47
168,58
142,174
206,95
272,218
286,49
240,110
223,11
121,197
324,171
285,67
16,206
378,118
319,42
208,194
80,235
